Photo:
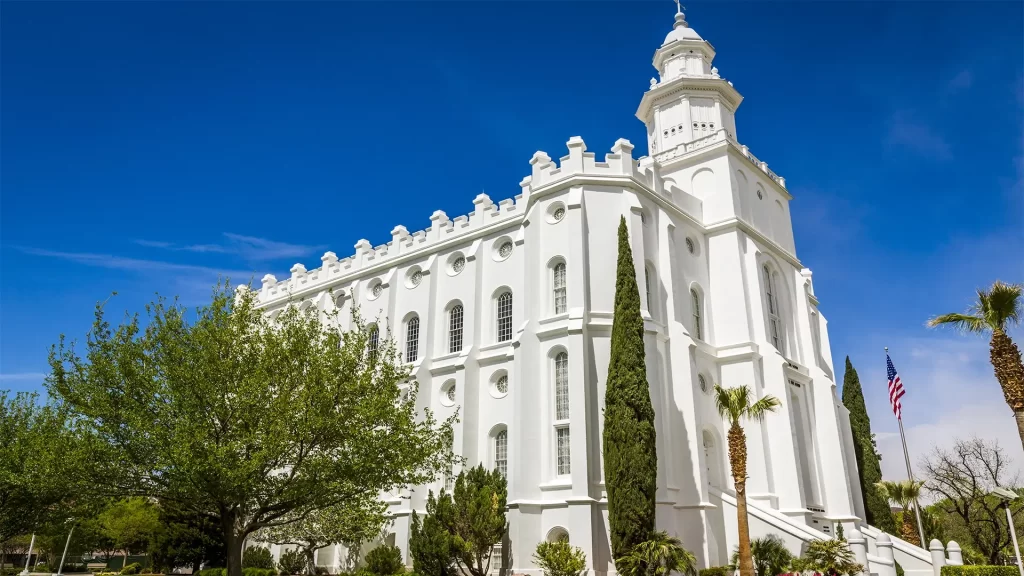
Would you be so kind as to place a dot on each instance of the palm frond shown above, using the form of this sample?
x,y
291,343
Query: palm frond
x,y
726,402
762,407
1005,305
961,322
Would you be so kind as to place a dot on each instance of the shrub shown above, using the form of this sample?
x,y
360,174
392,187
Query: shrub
x,y
133,568
979,571
385,560
292,562
258,572
717,571
257,557
559,558
212,572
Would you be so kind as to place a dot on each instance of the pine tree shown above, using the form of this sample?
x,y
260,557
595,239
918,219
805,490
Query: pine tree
x,y
870,471
630,457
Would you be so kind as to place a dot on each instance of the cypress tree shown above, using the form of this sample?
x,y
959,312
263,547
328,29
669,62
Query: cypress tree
x,y
876,508
630,457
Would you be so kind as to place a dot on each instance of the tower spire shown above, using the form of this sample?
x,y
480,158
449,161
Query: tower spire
x,y
680,17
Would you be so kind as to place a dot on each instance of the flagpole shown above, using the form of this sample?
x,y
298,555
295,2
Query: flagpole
x,y
910,475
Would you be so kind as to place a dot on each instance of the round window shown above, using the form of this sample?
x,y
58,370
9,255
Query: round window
x,y
505,250
451,393
377,290
703,383
690,247
559,213
458,264
760,196
502,384
416,278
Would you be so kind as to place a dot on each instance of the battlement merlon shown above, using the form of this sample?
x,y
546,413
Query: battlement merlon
x,y
544,173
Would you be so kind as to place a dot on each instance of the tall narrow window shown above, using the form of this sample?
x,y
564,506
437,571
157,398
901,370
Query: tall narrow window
x,y
774,316
505,317
373,341
563,450
455,329
412,339
501,452
695,299
558,281
647,286
562,386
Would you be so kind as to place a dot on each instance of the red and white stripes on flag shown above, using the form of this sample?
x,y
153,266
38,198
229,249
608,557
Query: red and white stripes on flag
x,y
895,388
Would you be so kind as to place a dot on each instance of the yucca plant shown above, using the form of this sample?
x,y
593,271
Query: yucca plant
x,y
659,555
830,558
903,494
734,404
771,557
997,308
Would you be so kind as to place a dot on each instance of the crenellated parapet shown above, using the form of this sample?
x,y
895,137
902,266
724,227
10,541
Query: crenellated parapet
x,y
544,175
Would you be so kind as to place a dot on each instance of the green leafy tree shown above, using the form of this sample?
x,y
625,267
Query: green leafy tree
x,y
385,560
734,405
660,555
476,520
830,558
771,557
559,558
630,451
904,493
869,469
187,538
257,557
252,421
40,461
350,523
131,524
997,308
430,543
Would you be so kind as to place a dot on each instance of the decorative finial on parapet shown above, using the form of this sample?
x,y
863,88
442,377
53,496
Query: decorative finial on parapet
x,y
622,146
576,142
483,199
298,269
539,157
439,217
363,245
241,288
329,258
269,279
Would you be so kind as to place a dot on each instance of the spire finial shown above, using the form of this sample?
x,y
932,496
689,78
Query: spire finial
x,y
679,7
680,18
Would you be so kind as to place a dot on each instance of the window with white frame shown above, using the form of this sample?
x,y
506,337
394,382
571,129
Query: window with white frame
x,y
647,286
373,341
496,560
455,329
505,317
771,296
501,452
558,283
412,339
562,386
698,332
562,439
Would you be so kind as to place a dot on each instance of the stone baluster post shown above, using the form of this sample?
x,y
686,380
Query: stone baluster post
x,y
884,545
938,556
859,547
956,557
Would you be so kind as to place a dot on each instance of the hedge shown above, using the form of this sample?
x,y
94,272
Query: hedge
x,y
980,571
718,571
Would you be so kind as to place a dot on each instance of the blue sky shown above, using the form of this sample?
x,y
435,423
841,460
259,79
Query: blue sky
x,y
148,147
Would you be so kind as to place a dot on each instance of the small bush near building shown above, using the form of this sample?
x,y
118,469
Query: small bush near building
x,y
292,562
257,572
257,557
385,560
133,568
212,572
559,558
979,571
716,571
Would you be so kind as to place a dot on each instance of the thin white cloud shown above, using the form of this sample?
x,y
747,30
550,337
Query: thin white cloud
x,y
22,376
133,264
250,248
919,137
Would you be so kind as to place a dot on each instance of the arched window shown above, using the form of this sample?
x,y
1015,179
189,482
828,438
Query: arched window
x,y
505,317
412,339
558,283
695,303
501,452
455,329
373,341
647,286
558,534
771,296
562,386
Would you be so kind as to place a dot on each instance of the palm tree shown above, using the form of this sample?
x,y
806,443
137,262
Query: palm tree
x,y
771,557
828,557
903,494
659,555
996,310
734,404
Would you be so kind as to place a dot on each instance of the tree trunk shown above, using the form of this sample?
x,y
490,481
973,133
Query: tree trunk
x,y
738,463
1009,369
909,528
233,542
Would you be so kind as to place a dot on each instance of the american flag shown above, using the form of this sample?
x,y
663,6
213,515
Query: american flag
x,y
895,387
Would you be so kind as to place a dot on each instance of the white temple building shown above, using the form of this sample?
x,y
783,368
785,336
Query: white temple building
x,y
505,315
